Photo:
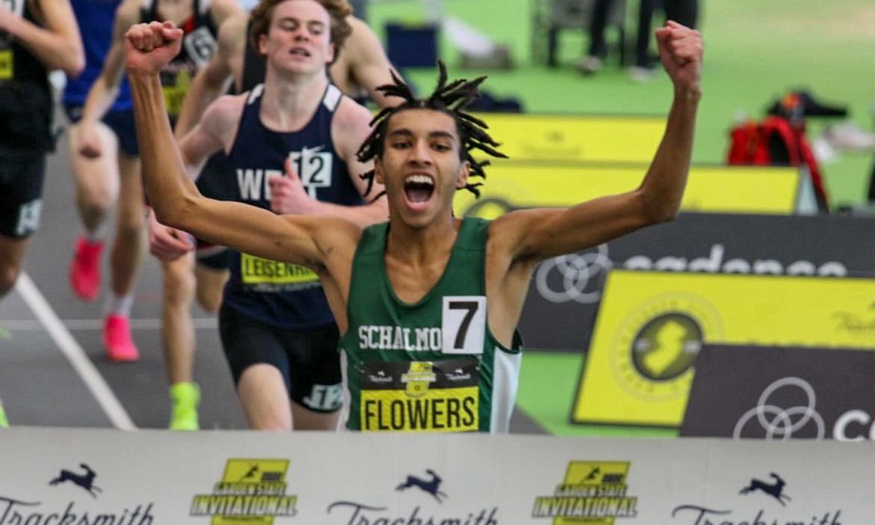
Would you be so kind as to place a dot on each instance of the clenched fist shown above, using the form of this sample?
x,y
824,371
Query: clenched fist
x,y
149,47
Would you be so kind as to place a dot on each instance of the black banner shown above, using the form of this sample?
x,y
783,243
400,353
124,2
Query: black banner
x,y
563,297
779,393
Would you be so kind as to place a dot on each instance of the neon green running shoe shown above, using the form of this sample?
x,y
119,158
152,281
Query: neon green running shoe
x,y
185,398
3,421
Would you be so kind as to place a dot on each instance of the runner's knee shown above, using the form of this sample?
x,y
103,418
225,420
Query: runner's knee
x,y
95,199
8,276
209,298
130,226
179,283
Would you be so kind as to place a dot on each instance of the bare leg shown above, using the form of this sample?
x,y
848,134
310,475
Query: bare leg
x,y
306,419
97,180
127,253
265,399
177,332
210,286
176,328
129,244
11,258
97,188
267,406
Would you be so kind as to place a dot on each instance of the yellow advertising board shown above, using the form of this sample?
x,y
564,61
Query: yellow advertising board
x,y
651,327
599,138
728,189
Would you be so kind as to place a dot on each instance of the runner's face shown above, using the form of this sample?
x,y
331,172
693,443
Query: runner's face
x,y
299,37
420,166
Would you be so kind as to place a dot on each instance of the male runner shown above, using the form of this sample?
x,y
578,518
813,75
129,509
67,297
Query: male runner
x,y
362,65
427,304
275,325
100,181
36,36
199,20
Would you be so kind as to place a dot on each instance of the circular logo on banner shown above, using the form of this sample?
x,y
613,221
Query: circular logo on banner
x,y
656,345
777,421
574,277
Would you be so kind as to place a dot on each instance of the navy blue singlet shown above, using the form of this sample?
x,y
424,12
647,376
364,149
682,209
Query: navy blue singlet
x,y
284,295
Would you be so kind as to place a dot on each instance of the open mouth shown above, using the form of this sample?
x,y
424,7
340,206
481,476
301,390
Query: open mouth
x,y
300,52
418,188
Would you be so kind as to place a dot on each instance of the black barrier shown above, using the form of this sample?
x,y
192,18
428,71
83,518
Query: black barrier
x,y
780,393
560,309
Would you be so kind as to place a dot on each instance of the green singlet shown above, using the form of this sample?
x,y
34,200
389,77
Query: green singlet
x,y
433,366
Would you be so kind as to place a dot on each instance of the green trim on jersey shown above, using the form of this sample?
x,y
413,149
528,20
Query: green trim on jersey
x,y
432,366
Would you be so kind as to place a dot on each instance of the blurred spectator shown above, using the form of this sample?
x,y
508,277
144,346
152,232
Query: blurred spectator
x,y
685,12
598,50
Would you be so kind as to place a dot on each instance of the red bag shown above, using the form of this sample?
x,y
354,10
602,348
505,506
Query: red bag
x,y
776,142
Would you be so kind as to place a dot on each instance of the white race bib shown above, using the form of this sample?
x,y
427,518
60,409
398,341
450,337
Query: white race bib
x,y
463,324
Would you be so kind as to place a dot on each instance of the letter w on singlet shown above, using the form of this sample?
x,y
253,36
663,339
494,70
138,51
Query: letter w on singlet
x,y
250,183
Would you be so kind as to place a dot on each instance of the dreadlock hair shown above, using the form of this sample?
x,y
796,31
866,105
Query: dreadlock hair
x,y
449,98
338,11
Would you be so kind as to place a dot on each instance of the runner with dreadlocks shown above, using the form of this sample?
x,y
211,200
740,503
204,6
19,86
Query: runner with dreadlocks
x,y
427,303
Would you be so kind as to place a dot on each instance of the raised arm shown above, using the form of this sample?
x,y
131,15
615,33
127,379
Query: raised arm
x,y
534,235
58,44
214,132
174,197
212,79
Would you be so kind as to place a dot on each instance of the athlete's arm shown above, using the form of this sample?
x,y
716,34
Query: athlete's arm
x,y
535,235
214,132
105,88
369,65
58,44
212,80
349,128
223,10
174,197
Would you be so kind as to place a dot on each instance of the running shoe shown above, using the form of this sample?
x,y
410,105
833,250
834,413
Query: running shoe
x,y
117,339
641,74
590,65
3,421
85,270
185,398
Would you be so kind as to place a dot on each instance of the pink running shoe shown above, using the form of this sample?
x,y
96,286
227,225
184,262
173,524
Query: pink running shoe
x,y
117,339
85,270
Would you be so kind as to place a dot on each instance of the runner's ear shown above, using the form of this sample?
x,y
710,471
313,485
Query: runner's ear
x,y
378,171
332,53
464,171
262,44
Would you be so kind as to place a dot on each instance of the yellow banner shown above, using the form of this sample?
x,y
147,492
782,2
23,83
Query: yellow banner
x,y
651,327
766,190
575,137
